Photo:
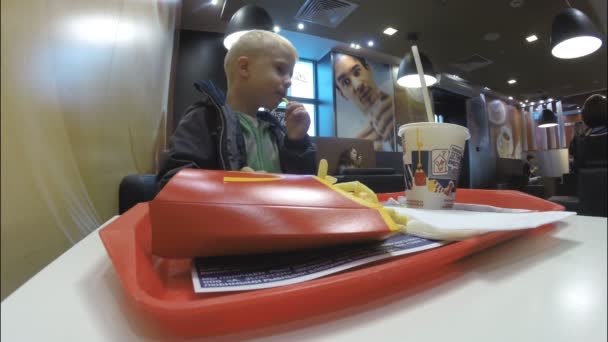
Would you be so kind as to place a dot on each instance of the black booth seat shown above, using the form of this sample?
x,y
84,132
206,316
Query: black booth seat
x,y
135,189
591,199
591,193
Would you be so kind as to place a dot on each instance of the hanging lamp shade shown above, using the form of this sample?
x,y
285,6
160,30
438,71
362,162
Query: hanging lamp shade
x,y
547,119
573,35
407,76
247,18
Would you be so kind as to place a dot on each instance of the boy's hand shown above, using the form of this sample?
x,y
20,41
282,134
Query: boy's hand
x,y
296,120
248,169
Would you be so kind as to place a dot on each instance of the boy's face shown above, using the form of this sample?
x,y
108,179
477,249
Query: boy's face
x,y
270,76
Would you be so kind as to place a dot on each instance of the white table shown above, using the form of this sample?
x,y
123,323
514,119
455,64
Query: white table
x,y
549,287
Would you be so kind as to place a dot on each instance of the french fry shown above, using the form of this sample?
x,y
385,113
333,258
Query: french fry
x,y
358,188
400,220
330,179
322,171
359,191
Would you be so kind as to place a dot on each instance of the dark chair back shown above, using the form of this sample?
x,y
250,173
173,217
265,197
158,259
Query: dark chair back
x,y
592,191
591,151
377,183
392,160
136,189
330,148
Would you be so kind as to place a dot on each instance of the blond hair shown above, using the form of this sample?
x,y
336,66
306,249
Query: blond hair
x,y
254,44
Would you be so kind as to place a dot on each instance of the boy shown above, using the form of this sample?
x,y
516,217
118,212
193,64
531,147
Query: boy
x,y
231,134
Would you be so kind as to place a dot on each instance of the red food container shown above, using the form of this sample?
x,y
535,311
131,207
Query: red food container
x,y
210,213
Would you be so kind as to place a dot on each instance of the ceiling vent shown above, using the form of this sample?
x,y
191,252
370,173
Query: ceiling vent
x,y
472,63
328,13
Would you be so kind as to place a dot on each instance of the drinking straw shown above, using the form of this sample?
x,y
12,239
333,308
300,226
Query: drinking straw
x,y
425,91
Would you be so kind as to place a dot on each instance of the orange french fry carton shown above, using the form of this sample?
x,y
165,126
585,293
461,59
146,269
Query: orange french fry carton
x,y
212,213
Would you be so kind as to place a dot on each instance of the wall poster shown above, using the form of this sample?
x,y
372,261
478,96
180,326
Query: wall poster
x,y
369,104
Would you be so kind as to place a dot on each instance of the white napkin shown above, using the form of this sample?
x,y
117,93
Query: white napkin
x,y
467,220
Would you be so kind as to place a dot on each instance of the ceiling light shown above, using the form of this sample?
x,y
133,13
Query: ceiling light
x,y
512,81
352,45
491,36
550,100
300,26
214,2
247,18
510,97
521,103
526,101
576,47
516,3
389,31
541,101
408,77
532,38
573,35
276,29
413,81
357,46
370,43
531,103
547,119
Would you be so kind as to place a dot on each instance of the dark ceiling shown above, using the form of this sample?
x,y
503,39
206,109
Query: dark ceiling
x,y
449,31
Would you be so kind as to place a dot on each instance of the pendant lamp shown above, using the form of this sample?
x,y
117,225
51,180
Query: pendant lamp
x,y
547,119
573,35
407,76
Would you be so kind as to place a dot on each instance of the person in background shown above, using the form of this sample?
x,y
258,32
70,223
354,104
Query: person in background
x,y
530,170
589,149
354,81
229,133
349,158
579,128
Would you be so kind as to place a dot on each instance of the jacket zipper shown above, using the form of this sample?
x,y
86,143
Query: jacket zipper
x,y
221,113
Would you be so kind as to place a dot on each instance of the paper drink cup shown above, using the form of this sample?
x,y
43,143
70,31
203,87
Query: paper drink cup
x,y
432,155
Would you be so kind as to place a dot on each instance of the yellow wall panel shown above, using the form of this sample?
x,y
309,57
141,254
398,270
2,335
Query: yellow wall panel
x,y
84,98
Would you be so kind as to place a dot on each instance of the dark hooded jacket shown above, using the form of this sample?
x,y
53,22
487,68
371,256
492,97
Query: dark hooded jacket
x,y
209,137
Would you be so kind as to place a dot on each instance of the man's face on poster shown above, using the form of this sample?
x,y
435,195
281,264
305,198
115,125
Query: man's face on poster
x,y
355,81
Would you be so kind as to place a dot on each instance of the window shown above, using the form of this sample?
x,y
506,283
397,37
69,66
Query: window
x,y
310,108
303,90
303,80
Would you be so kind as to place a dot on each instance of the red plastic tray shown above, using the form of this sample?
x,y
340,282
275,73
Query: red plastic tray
x,y
162,288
